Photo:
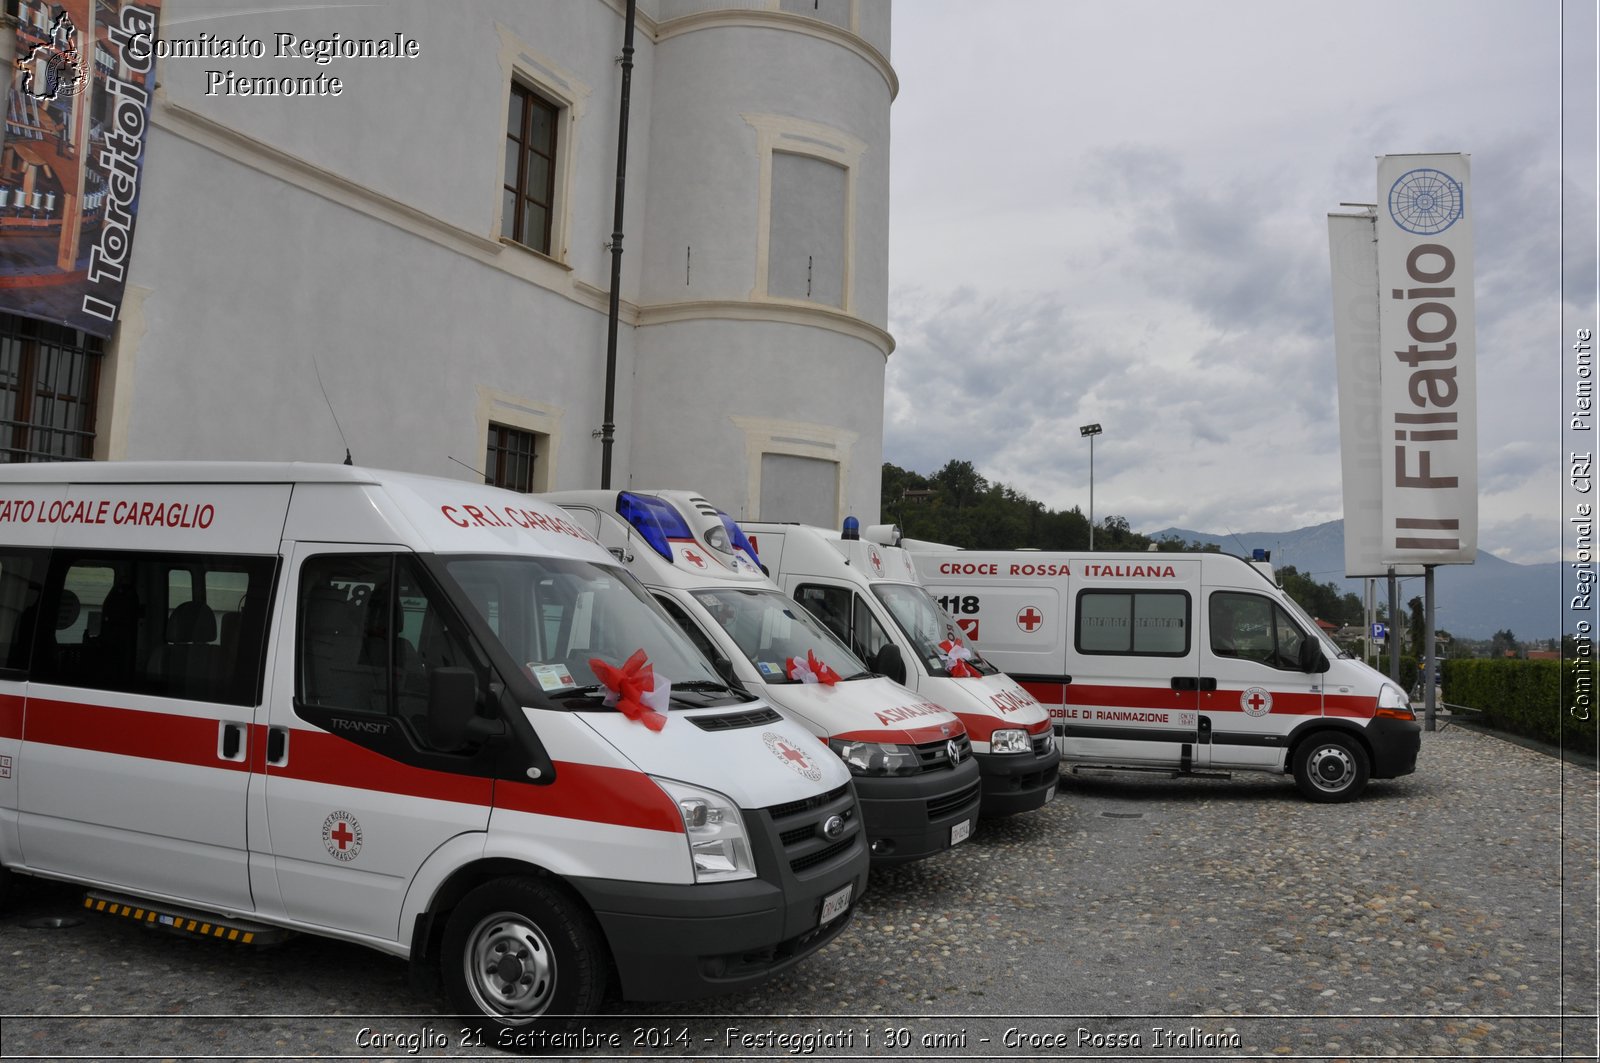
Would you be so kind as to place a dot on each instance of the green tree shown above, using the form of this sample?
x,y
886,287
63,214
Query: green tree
x,y
1504,644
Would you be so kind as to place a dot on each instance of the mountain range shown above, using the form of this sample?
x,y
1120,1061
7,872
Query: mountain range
x,y
1473,601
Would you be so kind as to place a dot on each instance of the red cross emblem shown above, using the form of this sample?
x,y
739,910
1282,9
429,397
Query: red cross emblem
x,y
1029,619
693,558
1256,701
342,835
790,753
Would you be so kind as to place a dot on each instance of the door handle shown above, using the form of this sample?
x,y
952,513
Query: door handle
x,y
230,742
277,746
1190,682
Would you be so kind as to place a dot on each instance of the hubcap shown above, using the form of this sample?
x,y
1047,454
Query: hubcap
x,y
509,967
1331,769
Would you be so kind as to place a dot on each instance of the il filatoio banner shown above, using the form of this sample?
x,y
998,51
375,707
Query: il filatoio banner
x,y
1427,427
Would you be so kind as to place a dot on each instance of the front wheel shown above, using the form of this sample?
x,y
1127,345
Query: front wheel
x,y
1330,767
522,954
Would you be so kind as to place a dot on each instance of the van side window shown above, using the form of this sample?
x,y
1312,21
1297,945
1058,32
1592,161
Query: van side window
x,y
1254,628
21,576
187,626
370,632
847,615
1133,623
690,628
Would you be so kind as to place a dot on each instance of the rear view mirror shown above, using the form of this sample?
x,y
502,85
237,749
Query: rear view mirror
x,y
888,661
1312,659
453,718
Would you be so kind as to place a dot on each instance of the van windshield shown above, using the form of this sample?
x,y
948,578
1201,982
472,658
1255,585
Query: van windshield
x,y
554,615
925,624
770,629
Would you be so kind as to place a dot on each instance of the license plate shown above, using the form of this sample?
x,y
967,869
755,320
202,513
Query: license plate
x,y
960,831
1050,795
835,904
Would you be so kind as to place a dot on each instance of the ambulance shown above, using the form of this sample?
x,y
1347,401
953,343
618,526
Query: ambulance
x,y
911,759
422,715
1178,662
862,586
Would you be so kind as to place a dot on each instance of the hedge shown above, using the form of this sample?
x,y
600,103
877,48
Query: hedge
x,y
1537,699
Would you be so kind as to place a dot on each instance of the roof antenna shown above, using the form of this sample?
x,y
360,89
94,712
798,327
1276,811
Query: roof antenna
x,y
329,401
464,465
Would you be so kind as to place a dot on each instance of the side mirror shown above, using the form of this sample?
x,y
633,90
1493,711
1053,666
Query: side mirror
x,y
888,661
453,718
1312,659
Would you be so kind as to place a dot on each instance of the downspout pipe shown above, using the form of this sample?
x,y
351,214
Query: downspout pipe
x,y
608,427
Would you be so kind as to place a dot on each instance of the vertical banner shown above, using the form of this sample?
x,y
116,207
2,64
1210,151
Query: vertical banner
x,y
1353,256
1427,432
76,125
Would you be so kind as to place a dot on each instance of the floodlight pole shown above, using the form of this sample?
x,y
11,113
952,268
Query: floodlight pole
x,y
1091,430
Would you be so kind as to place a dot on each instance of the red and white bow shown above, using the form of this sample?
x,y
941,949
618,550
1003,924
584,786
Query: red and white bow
x,y
955,657
635,689
810,670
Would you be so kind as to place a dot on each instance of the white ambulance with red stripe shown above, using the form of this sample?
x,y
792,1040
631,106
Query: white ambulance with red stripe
x,y
422,715
862,586
1183,662
911,758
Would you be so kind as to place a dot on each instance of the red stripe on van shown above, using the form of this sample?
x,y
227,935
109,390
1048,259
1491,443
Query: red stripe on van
x,y
316,756
597,794
128,732
10,716
1284,703
1349,705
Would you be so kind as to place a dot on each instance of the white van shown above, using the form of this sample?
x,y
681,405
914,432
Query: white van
x,y
862,586
1179,662
361,704
912,760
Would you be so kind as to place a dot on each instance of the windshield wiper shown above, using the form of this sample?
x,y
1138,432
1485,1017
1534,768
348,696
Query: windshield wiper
x,y
578,692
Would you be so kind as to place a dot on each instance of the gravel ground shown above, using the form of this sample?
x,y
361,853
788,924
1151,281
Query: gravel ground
x,y
1450,913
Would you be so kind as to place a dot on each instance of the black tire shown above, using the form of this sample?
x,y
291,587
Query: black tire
x,y
1330,767
7,879
523,955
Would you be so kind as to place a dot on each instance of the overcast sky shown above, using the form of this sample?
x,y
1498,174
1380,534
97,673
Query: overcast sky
x,y
1117,212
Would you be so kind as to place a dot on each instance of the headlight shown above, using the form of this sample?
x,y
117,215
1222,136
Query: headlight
x,y
1010,740
718,846
876,758
1392,701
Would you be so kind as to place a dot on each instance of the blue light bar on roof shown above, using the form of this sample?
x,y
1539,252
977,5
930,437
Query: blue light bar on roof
x,y
737,539
656,520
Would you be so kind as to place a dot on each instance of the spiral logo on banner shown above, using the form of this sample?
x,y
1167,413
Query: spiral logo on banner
x,y
1426,201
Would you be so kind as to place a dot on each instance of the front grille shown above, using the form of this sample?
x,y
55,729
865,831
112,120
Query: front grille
x,y
799,828
733,721
1042,743
932,756
943,806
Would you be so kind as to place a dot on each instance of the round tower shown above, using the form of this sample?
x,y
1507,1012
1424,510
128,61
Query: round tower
x,y
763,289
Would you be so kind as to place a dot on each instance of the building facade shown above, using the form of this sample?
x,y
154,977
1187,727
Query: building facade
x,y
385,229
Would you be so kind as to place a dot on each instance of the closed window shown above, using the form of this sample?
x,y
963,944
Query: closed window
x,y
171,625
510,458
1133,623
1254,628
528,195
371,632
49,375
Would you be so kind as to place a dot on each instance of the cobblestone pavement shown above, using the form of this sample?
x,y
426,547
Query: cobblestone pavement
x,y
1450,913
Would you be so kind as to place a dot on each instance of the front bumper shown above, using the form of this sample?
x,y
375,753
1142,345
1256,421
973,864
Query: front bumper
x,y
1018,782
1395,745
677,942
910,817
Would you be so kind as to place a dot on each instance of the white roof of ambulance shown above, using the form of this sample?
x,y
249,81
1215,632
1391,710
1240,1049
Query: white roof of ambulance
x,y
351,503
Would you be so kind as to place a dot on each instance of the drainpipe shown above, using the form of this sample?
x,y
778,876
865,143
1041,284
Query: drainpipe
x,y
608,427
